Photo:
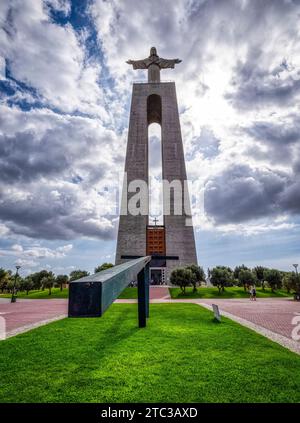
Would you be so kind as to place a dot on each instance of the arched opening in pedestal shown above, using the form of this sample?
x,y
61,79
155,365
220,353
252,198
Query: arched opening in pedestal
x,y
154,116
155,237
155,175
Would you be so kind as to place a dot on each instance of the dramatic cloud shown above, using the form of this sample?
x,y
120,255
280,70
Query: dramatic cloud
x,y
65,91
255,87
276,140
247,194
54,170
30,256
50,58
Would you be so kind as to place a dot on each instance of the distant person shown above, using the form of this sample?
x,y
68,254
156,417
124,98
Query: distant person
x,y
253,293
250,293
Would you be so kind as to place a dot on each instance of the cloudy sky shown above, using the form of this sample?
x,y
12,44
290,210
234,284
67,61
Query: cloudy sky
x,y
65,97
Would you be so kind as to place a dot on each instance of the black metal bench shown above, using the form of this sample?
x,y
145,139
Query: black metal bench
x,y
92,295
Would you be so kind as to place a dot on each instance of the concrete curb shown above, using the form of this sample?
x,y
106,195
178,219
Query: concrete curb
x,y
27,328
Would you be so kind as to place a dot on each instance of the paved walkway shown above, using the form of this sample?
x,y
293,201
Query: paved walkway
x,y
28,314
273,314
159,292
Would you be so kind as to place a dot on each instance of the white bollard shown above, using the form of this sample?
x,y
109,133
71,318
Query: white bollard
x,y
216,312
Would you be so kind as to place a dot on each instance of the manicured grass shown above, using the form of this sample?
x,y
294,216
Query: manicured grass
x,y
57,293
232,292
39,294
182,355
129,293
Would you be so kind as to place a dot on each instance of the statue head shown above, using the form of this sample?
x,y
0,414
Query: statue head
x,y
153,51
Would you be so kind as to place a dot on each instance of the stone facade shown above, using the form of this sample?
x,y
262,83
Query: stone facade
x,y
156,102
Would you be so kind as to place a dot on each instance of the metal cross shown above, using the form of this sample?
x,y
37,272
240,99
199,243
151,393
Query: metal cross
x,y
155,220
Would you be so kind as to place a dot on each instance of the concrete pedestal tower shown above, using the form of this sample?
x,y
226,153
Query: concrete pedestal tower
x,y
151,102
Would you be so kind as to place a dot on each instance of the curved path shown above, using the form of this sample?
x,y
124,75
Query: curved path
x,y
27,314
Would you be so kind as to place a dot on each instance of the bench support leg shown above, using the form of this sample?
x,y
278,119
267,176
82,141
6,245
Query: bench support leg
x,y
143,296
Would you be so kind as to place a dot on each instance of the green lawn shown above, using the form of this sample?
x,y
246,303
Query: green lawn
x,y
182,356
232,292
131,293
57,293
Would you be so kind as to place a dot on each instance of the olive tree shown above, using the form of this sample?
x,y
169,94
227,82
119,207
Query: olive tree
x,y
246,278
259,272
48,282
77,274
103,266
183,277
237,270
5,277
26,284
61,280
290,282
274,278
221,277
38,276
199,275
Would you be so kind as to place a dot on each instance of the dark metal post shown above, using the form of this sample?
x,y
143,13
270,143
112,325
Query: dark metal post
x,y
142,308
147,282
13,295
297,293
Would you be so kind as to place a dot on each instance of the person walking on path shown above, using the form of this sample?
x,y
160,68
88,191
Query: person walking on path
x,y
252,293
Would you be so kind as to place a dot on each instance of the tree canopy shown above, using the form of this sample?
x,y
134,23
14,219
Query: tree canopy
x,y
237,270
221,277
103,266
247,278
77,274
274,278
183,277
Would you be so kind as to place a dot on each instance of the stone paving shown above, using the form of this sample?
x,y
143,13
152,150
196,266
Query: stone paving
x,y
159,292
271,313
28,314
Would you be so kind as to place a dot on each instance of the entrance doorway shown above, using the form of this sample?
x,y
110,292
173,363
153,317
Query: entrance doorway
x,y
157,276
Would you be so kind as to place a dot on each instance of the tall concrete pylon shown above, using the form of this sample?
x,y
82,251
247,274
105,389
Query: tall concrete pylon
x,y
156,102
